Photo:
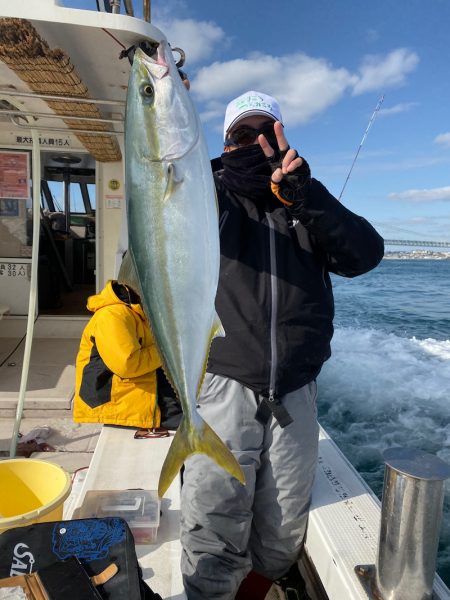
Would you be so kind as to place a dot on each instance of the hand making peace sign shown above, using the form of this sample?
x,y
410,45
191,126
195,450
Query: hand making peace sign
x,y
290,158
291,175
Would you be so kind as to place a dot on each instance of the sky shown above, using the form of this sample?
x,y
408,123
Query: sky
x,y
328,63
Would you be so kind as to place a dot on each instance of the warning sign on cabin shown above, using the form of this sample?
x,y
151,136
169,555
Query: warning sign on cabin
x,y
14,175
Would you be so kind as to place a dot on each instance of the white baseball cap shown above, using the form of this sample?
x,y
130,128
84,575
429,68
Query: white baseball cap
x,y
249,104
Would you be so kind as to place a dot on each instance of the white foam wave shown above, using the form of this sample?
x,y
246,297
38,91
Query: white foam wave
x,y
435,348
379,390
389,370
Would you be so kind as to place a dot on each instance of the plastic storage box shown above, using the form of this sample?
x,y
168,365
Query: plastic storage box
x,y
139,508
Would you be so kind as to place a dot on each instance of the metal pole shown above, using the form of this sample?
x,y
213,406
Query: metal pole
x,y
410,523
65,98
20,113
65,130
66,178
129,8
32,300
115,6
147,11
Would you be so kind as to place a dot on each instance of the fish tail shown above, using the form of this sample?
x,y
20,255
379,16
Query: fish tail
x,y
196,440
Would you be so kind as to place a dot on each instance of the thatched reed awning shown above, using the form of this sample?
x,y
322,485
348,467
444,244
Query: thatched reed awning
x,y
48,71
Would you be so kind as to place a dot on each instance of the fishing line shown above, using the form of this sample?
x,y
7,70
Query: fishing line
x,y
114,38
372,118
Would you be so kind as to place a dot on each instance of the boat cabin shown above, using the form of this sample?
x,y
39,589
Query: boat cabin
x,y
62,199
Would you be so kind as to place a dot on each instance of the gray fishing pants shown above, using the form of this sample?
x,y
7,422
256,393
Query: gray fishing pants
x,y
228,529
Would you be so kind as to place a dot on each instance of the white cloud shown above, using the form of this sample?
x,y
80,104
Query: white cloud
x,y
443,138
197,38
380,72
164,11
423,196
214,111
303,85
398,108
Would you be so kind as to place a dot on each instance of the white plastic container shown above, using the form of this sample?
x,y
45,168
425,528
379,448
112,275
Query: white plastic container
x,y
139,508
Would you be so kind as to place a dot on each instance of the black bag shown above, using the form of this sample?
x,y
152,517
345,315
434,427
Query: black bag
x,y
96,543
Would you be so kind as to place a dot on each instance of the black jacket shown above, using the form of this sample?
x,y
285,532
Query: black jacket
x,y
274,296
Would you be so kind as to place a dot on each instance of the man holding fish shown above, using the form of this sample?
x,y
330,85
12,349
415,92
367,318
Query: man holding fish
x,y
281,232
249,402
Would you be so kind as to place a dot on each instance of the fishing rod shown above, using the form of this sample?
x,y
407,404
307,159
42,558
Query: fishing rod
x,y
372,118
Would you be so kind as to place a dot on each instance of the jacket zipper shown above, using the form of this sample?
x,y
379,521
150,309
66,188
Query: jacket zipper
x,y
274,308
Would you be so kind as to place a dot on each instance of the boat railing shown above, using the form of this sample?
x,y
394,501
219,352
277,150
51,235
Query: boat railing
x,y
115,6
17,116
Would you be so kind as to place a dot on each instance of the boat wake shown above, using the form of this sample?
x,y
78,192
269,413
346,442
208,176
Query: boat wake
x,y
380,390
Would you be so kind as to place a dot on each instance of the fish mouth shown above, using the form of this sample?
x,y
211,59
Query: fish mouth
x,y
161,59
156,58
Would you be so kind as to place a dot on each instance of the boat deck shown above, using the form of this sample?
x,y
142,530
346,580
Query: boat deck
x,y
120,462
50,386
343,524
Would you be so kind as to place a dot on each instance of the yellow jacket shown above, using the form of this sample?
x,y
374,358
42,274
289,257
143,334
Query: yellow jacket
x,y
116,364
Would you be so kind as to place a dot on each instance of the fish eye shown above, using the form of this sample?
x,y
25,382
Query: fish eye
x,y
147,90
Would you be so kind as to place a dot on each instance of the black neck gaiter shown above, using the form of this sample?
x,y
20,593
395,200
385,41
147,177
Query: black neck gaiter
x,y
246,171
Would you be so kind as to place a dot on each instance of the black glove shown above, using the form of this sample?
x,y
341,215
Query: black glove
x,y
294,187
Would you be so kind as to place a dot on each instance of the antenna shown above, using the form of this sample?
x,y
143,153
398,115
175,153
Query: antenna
x,y
372,119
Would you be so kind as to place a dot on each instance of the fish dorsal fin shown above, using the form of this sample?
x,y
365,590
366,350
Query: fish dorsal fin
x,y
127,274
217,328
173,181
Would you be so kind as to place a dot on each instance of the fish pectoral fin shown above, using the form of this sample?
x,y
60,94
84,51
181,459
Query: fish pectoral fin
x,y
173,180
201,439
217,329
127,274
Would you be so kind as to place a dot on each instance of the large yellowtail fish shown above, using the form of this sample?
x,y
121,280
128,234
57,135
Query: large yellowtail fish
x,y
173,237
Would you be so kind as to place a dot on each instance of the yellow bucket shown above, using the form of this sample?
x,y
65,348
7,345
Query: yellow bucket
x,y
31,491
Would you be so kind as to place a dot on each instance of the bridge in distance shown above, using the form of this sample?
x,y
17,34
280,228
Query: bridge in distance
x,y
427,244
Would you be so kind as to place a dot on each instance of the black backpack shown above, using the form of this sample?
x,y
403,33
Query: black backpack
x,y
96,543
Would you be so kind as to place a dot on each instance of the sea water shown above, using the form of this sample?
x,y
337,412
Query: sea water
x,y
388,381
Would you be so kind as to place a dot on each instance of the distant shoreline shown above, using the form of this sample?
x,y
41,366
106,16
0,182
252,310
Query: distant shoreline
x,y
416,255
